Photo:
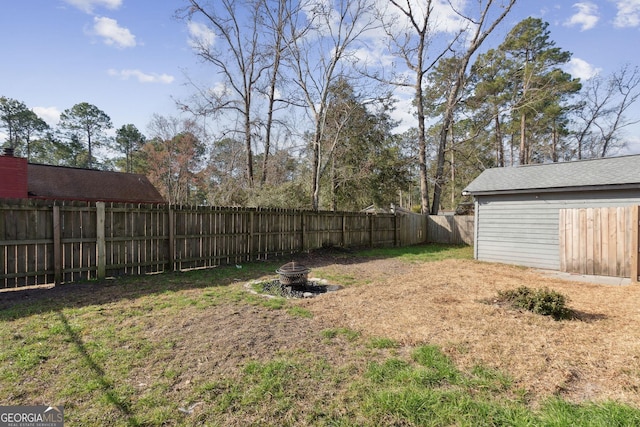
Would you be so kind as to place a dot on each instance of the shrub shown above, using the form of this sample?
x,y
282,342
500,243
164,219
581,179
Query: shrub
x,y
540,301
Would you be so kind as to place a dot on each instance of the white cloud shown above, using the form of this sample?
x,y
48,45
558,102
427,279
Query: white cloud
x,y
447,19
404,108
51,115
141,76
628,13
632,145
587,16
219,90
112,33
582,69
404,114
88,5
200,35
371,57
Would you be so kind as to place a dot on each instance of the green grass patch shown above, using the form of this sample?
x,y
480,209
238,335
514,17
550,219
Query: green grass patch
x,y
430,391
557,413
422,253
299,312
383,343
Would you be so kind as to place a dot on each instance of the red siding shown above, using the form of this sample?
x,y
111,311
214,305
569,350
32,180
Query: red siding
x,y
13,177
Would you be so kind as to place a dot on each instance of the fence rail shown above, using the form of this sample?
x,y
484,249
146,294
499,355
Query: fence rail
x,y
44,242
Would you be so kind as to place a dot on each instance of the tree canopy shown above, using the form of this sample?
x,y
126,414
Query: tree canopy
x,y
86,123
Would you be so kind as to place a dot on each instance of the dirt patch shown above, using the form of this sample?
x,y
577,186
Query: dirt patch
x,y
596,357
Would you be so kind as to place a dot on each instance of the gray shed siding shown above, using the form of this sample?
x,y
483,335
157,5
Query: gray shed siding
x,y
522,229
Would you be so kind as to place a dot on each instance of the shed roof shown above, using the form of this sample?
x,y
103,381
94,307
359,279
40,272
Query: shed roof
x,y
602,173
65,183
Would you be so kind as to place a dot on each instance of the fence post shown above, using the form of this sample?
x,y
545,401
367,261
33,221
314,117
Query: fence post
x,y
252,250
172,248
635,222
57,247
100,240
370,230
344,230
396,231
302,238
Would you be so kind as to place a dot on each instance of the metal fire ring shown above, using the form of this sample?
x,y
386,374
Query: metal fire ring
x,y
293,274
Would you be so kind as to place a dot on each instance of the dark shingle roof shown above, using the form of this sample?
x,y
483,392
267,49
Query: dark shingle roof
x,y
64,183
603,172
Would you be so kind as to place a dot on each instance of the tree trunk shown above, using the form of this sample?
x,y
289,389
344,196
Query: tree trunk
x,y
439,178
453,174
499,145
248,149
422,143
523,139
334,185
90,160
315,170
447,124
554,144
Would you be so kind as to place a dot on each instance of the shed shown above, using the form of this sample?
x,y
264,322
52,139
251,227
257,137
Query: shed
x,y
517,208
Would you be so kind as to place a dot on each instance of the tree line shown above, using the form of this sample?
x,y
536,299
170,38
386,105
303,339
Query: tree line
x,y
301,118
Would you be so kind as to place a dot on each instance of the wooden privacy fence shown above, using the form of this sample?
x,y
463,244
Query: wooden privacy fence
x,y
599,241
452,229
50,242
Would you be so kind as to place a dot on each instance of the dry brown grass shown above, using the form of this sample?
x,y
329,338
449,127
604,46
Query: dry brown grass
x,y
595,357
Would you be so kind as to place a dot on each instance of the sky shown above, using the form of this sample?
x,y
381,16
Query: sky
x,y
133,58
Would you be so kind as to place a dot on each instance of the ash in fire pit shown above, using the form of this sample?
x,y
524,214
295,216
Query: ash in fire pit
x,y
293,282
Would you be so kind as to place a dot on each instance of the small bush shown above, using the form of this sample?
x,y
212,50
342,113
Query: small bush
x,y
540,301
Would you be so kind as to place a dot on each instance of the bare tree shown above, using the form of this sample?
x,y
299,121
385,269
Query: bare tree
x,y
479,27
235,53
416,36
319,42
278,15
603,113
410,43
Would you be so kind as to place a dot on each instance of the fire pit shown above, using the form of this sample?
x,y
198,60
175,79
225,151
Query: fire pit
x,y
293,274
293,282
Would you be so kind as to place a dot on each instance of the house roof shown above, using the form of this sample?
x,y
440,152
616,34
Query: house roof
x,y
602,173
65,183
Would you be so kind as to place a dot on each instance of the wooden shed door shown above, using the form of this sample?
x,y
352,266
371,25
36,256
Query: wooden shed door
x,y
599,241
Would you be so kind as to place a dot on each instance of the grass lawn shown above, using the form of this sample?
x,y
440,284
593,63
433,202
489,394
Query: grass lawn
x,y
196,348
